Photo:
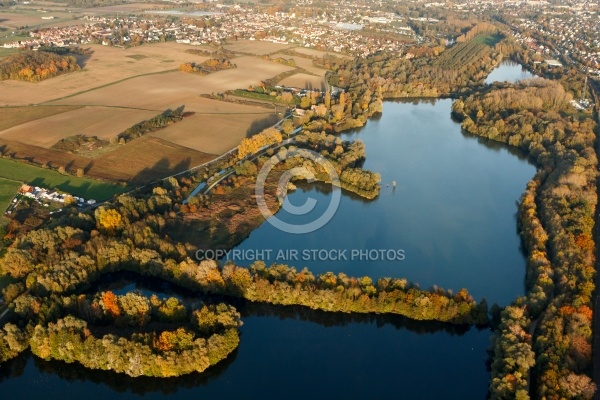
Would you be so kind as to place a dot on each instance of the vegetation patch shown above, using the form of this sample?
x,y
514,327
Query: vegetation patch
x,y
81,144
207,67
35,66
137,57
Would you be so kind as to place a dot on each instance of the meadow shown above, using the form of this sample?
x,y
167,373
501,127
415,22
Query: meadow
x,y
47,178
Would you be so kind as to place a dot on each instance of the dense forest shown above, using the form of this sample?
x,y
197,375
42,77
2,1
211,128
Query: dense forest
x,y
153,337
546,334
35,66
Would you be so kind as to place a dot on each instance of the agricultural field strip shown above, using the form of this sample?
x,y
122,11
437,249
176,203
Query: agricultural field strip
x,y
107,85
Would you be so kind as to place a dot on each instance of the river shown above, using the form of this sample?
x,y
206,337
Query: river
x,y
452,213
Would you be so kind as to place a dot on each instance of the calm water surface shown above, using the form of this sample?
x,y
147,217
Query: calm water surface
x,y
508,71
453,211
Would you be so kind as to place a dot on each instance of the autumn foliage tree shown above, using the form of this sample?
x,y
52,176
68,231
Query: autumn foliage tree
x,y
109,220
36,66
110,303
252,144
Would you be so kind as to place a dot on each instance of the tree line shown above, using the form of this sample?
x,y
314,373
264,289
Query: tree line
x,y
556,218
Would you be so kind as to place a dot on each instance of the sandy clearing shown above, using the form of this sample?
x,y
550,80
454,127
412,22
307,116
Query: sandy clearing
x,y
103,122
256,47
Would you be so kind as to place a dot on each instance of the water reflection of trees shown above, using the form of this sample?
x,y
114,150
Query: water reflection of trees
x,y
142,385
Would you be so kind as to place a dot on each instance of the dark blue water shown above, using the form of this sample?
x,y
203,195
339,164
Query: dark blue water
x,y
452,213
290,359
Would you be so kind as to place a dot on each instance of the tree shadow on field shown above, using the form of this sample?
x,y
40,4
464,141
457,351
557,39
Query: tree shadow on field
x,y
82,59
261,124
161,169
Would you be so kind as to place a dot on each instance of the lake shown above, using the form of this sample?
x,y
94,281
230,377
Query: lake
x,y
508,71
452,213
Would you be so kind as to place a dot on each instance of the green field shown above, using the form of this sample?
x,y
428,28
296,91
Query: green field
x,y
50,179
489,39
8,190
7,52
261,96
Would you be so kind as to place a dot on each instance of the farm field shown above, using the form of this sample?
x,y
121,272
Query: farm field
x,y
177,88
14,116
136,162
257,47
103,122
304,81
121,8
214,133
304,63
105,66
119,88
147,159
14,19
83,187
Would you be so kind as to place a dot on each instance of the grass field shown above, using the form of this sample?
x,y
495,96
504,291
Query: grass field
x,y
103,122
8,190
317,53
7,52
488,39
86,188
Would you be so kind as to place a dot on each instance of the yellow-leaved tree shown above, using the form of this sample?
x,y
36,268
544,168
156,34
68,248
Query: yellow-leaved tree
x,y
108,220
252,144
